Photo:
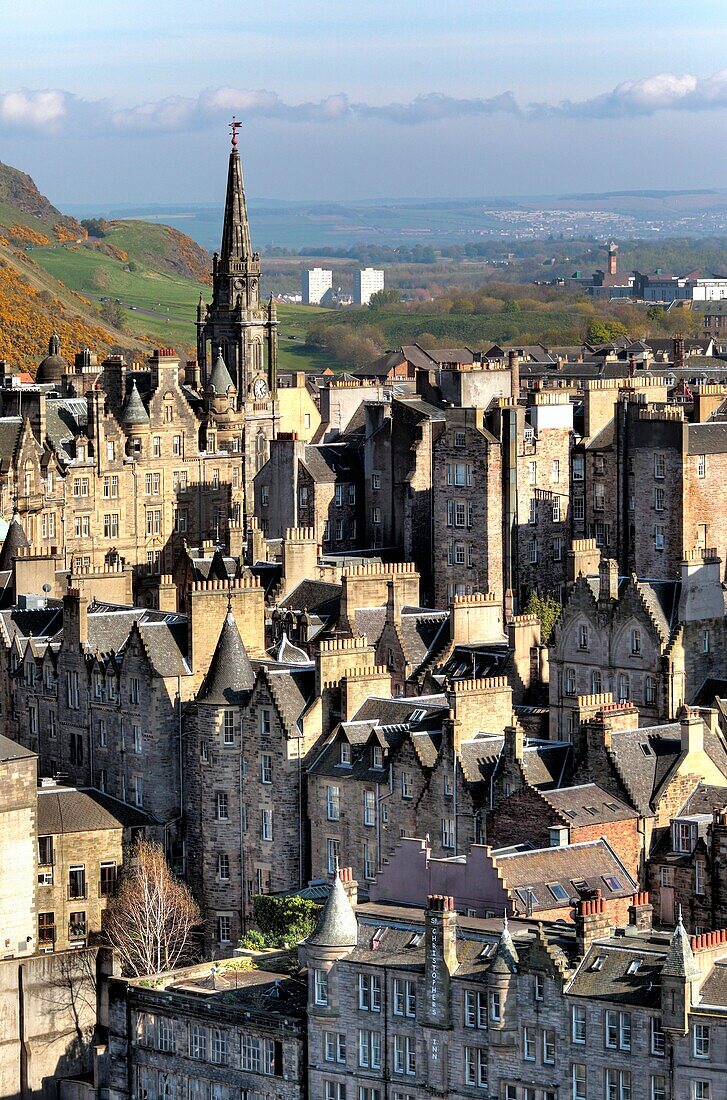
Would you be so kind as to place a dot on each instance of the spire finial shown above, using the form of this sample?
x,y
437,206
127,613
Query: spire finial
x,y
679,919
504,923
234,127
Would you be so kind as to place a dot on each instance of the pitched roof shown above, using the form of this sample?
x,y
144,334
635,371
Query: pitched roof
x,y
11,750
628,971
707,439
592,862
230,677
680,961
83,810
589,804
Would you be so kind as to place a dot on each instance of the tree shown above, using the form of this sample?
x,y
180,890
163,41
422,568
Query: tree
x,y
95,227
385,297
604,331
548,611
283,922
152,918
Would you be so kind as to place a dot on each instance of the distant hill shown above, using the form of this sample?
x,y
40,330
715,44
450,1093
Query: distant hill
x,y
23,209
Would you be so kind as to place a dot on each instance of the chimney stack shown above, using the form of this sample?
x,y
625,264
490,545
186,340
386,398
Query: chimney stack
x,y
591,920
440,960
678,349
513,362
612,258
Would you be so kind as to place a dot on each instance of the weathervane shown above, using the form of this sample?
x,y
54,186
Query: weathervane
x,y
234,127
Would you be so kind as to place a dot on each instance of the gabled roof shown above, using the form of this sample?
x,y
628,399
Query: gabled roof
x,y
592,862
230,678
83,810
589,804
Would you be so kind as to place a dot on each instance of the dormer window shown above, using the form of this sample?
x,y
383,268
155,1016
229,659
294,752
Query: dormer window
x,y
81,452
683,836
377,756
344,756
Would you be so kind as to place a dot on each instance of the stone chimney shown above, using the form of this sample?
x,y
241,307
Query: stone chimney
x,y
300,556
440,960
475,619
350,885
692,731
591,920
166,593
608,581
612,258
641,912
678,349
480,704
75,618
583,557
513,362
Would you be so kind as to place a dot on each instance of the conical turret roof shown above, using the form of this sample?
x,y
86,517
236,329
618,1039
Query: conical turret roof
x,y
506,957
220,378
337,926
15,540
680,961
134,410
218,569
230,677
235,229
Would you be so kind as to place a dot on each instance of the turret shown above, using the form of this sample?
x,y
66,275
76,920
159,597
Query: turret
x,y
336,936
502,995
678,973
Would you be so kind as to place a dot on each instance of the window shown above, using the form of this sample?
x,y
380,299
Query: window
x,y
376,481
266,825
596,682
599,497
699,868
475,1067
266,768
475,1008
405,1058
77,882
265,722
320,987
77,926
407,785
224,930
570,681
555,472
332,803
377,756
334,1046
136,740
533,551
339,494
369,993
223,867
107,878
556,511
459,439
368,861
72,689
495,1008
578,1024
529,1044
649,690
80,487
264,496
533,516
405,997
700,1040
369,808
658,1088
578,467
578,1081
682,836
369,1049
134,685
176,445
618,1084
618,1030
111,486
539,980
221,806
583,637
532,473
335,1090
261,1055
624,688
658,499
45,851
659,466
701,1090
636,643
705,640
701,465
332,854
579,510
447,832
549,1047
657,1037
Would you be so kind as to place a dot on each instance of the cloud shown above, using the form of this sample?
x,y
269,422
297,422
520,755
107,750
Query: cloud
x,y
59,112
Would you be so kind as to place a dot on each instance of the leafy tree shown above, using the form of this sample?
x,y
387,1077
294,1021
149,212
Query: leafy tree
x,y
95,227
152,919
548,611
603,331
113,314
281,921
385,297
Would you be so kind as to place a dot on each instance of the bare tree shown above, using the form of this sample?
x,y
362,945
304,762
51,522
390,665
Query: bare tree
x,y
152,918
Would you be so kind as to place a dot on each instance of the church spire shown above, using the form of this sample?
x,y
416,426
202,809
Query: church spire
x,y
236,246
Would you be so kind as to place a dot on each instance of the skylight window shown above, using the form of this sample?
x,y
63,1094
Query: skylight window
x,y
415,940
646,749
487,950
591,810
612,882
633,966
558,891
598,962
417,715
579,884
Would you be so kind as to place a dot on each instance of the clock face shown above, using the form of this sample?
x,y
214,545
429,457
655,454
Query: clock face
x,y
259,388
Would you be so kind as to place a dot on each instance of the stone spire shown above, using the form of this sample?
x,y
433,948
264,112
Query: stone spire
x,y
680,961
235,230
230,677
337,926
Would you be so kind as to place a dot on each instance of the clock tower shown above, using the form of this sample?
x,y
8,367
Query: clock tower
x,y
239,331
236,322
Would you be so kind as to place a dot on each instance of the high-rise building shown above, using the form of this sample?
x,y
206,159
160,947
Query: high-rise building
x,y
366,283
314,283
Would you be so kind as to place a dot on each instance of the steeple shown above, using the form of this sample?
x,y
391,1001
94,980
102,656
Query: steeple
x,y
235,230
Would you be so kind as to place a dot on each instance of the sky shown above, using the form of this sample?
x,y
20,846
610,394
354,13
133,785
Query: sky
x,y
127,101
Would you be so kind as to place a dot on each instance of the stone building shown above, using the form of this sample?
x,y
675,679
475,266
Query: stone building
x,y
217,1032
18,772
83,838
409,1000
649,642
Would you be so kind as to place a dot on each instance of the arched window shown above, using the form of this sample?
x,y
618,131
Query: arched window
x,y
260,446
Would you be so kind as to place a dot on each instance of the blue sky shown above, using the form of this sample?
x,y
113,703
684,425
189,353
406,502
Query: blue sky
x,y
126,101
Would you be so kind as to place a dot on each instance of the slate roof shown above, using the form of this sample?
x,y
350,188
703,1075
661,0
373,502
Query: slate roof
x,y
65,419
82,810
15,540
134,410
328,462
220,379
544,762
714,990
587,862
218,566
646,758
11,750
611,981
466,662
322,597
337,925
10,428
703,799
293,691
707,439
589,804
661,597
38,622
230,677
